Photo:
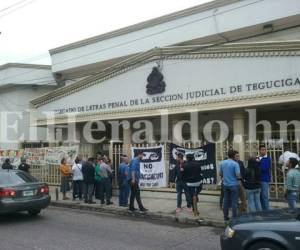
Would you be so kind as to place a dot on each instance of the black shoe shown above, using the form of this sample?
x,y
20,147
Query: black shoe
x,y
143,209
109,203
132,209
85,201
91,202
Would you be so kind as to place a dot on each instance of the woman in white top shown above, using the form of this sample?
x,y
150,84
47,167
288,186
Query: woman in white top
x,y
284,159
77,179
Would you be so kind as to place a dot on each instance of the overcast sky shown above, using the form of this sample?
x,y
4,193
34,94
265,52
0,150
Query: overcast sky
x,y
29,28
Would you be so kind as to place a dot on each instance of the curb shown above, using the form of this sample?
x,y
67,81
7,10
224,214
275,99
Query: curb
x,y
162,217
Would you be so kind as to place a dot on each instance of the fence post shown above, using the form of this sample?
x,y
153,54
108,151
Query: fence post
x,y
167,163
56,194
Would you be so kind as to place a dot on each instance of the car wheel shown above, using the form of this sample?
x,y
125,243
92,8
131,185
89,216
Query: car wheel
x,y
265,246
34,212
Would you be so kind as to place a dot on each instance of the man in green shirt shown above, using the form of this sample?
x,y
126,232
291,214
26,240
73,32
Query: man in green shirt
x,y
98,180
292,183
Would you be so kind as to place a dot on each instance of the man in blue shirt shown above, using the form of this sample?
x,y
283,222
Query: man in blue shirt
x,y
265,164
134,180
124,187
230,173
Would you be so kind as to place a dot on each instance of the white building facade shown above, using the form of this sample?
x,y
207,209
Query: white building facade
x,y
19,84
225,62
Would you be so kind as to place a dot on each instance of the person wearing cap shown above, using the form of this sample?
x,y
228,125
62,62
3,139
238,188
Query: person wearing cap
x,y
124,188
134,181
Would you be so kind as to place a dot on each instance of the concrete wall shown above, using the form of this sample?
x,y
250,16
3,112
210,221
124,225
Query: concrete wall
x,y
290,34
18,74
15,112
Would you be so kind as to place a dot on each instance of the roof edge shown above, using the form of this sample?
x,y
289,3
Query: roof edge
x,y
143,25
24,65
166,52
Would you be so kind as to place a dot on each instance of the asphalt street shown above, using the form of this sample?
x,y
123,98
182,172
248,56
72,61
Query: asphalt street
x,y
63,229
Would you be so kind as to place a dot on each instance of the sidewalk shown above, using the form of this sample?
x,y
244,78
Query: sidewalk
x,y
161,206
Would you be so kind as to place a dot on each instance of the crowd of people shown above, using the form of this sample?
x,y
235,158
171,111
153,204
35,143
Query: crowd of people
x,y
243,189
93,178
254,182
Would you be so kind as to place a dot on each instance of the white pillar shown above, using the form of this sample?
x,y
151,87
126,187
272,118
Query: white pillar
x,y
239,133
51,136
127,140
175,133
77,134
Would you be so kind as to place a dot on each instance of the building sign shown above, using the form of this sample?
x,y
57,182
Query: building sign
x,y
188,82
205,156
152,167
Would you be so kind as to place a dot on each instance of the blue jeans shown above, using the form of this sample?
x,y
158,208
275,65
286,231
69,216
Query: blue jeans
x,y
264,196
292,199
124,190
253,197
230,193
180,185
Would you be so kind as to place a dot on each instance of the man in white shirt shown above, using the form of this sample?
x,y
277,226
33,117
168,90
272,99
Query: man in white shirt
x,y
77,179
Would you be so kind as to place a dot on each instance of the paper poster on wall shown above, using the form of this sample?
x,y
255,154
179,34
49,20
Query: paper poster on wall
x,y
13,155
55,155
205,156
35,156
152,167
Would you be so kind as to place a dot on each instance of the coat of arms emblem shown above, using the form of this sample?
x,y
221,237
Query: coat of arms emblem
x,y
156,84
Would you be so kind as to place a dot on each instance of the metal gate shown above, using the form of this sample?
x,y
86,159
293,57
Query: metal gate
x,y
251,149
275,149
50,173
116,150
